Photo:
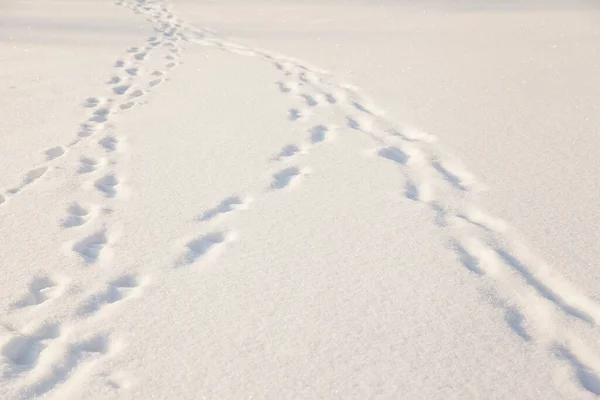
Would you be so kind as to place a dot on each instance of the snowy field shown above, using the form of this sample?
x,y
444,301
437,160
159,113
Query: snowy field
x,y
311,199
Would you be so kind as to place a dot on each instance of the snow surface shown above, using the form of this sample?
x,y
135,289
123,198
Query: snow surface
x,y
198,201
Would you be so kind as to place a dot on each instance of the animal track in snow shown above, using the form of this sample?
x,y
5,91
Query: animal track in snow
x,y
577,307
122,288
121,90
133,71
483,220
30,177
418,191
41,289
2,199
140,56
413,135
23,349
206,247
91,102
320,133
114,80
89,164
155,82
287,177
226,206
288,151
295,114
78,215
136,93
74,359
54,152
108,185
96,247
87,129
100,115
310,100
127,106
109,142
586,376
457,175
393,154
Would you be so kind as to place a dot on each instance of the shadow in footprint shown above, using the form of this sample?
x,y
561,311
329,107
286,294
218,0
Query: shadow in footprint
x,y
91,247
393,154
54,152
283,178
72,359
588,379
40,291
108,185
225,206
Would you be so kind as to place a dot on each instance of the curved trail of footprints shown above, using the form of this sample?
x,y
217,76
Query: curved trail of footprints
x,y
534,297
46,355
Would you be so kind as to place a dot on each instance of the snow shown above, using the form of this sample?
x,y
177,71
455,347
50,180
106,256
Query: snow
x,y
299,199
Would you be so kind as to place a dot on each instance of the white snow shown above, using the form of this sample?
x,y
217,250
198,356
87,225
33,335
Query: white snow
x,y
299,199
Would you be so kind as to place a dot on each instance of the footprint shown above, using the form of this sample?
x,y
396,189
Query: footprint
x,y
318,133
155,82
283,88
413,135
23,350
87,129
132,71
90,248
71,364
108,185
457,175
41,289
132,50
418,191
311,101
330,98
286,177
586,376
127,105
479,218
288,151
136,93
91,102
124,287
119,63
171,65
54,152
360,107
140,56
393,154
100,115
109,143
157,73
78,215
295,114
121,90
88,164
114,80
207,247
227,205
29,178
2,199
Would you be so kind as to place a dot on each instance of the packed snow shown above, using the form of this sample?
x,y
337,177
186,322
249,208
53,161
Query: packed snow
x,y
299,199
